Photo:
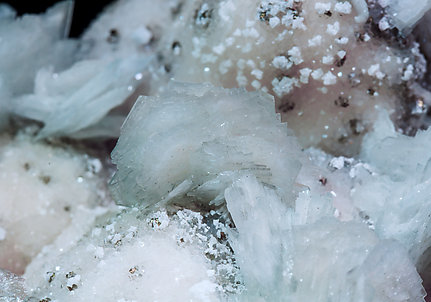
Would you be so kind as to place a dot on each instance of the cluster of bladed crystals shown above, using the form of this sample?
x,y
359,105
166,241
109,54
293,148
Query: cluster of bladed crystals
x,y
209,194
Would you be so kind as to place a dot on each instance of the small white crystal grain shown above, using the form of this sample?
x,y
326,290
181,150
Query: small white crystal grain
x,y
384,24
315,41
367,37
298,23
256,84
283,86
317,74
337,162
295,55
342,40
373,69
142,35
257,73
333,29
327,60
321,7
304,75
274,21
281,62
241,79
343,7
329,79
341,54
408,73
224,66
219,49
73,281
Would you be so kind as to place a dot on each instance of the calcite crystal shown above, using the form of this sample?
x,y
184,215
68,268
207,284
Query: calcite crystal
x,y
269,151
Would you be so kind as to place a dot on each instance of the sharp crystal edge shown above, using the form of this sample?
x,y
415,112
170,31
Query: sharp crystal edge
x,y
264,151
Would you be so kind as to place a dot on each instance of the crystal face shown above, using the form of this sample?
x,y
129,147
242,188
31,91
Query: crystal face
x,y
217,151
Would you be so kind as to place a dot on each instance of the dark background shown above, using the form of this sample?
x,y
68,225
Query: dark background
x,y
84,12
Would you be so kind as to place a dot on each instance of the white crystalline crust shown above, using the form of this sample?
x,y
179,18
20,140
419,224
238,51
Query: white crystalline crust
x,y
12,288
125,257
264,45
132,47
135,26
43,190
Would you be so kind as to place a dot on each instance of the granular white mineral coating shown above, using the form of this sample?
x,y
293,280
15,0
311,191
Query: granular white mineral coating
x,y
125,258
42,190
146,22
322,61
12,287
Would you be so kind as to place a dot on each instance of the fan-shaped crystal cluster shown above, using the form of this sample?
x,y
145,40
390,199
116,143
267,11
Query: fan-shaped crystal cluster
x,y
267,151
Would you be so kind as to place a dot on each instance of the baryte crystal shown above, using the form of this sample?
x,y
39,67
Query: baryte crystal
x,y
400,204
90,89
280,256
404,15
19,62
63,76
195,139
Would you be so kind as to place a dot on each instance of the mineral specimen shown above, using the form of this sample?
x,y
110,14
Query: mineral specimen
x,y
270,151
